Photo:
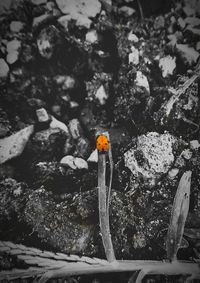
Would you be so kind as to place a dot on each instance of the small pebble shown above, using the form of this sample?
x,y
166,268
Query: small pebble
x,y
194,144
93,156
16,26
133,57
159,22
11,58
42,115
181,23
187,154
101,95
173,172
4,68
132,37
127,11
75,128
91,36
69,161
141,81
80,163
73,104
198,46
167,65
188,11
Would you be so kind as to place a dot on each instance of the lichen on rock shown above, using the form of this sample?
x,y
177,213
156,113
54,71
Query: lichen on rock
x,y
151,157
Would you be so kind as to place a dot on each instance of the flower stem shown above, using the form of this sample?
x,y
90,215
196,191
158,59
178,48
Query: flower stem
x,y
103,215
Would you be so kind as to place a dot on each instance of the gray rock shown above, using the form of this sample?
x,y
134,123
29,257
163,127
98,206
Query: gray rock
x,y
68,160
46,145
80,163
4,69
13,146
11,58
40,19
5,6
173,173
74,162
127,11
181,23
188,54
66,82
91,36
13,47
152,156
12,201
132,37
58,124
142,81
93,156
42,115
79,19
79,11
16,26
82,148
5,126
133,57
47,41
101,95
194,144
38,2
56,225
167,65
193,21
187,154
88,8
75,129
159,22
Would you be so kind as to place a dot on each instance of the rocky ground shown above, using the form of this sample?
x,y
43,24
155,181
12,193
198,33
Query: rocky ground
x,y
69,69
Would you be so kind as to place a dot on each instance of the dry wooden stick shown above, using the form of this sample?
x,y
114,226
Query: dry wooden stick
x,y
178,216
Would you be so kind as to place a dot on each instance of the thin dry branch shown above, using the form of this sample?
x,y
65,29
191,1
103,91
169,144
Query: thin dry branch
x,y
167,106
59,265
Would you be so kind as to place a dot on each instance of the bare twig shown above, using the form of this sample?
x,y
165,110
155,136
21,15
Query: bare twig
x,y
140,9
46,265
178,216
167,106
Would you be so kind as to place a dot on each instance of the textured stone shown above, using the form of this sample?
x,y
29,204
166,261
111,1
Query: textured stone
x,y
132,37
159,22
133,57
74,162
152,156
188,54
16,26
4,69
79,19
42,115
141,81
38,2
91,36
14,145
75,128
127,11
89,8
58,124
167,65
5,6
101,95
93,156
